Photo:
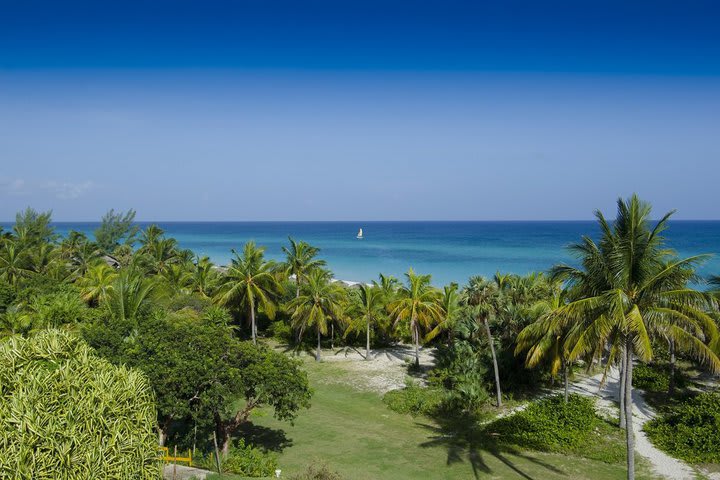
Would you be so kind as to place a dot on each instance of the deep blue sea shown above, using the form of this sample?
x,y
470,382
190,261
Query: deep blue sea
x,y
450,251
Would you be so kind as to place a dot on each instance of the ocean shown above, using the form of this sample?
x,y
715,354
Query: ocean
x,y
449,251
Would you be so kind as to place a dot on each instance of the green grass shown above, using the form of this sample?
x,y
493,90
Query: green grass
x,y
357,435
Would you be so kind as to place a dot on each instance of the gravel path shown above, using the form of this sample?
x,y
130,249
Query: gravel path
x,y
663,465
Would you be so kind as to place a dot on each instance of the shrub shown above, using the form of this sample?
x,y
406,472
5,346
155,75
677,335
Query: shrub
x,y
549,424
414,399
67,414
242,459
690,430
655,377
317,472
281,331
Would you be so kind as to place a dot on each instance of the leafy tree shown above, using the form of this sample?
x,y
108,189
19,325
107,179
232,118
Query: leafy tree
x,y
319,302
250,283
14,263
129,295
115,227
33,228
300,261
633,287
418,304
96,283
450,308
205,278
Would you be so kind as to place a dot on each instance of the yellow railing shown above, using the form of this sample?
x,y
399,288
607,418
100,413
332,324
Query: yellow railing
x,y
165,456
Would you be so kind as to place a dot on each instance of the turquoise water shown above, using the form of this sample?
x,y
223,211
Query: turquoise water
x,y
450,251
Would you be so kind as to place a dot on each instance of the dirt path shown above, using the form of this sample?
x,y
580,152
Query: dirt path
x,y
661,463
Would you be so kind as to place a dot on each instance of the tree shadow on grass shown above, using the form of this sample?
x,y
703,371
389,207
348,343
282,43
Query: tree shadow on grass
x,y
266,438
466,440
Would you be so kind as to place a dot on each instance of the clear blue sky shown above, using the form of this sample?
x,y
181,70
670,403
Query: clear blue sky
x,y
332,110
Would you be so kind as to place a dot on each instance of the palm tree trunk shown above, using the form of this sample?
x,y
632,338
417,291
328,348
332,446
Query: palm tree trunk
x,y
416,337
317,353
671,386
495,364
565,374
332,336
622,382
252,323
367,340
629,434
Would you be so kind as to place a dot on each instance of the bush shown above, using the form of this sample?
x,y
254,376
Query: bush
x,y
281,331
67,414
655,377
549,424
414,399
690,430
317,472
243,460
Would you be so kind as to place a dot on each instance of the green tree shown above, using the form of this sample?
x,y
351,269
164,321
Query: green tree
x,y
116,227
418,304
319,303
130,295
249,282
450,308
300,261
96,283
633,287
14,263
33,228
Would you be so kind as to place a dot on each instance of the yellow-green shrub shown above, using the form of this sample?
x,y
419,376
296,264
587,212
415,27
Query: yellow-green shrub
x,y
67,414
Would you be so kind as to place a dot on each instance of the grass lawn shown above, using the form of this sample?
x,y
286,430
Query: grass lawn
x,y
356,434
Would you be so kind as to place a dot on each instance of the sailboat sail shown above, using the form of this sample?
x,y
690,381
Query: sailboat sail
x,y
360,234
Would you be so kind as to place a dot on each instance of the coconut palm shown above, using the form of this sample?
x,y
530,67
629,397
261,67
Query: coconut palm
x,y
547,339
634,287
129,294
319,303
97,282
250,283
450,307
205,278
483,299
418,304
300,261
14,263
367,306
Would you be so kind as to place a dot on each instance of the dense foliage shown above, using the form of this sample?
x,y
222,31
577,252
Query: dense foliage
x,y
67,414
242,459
690,430
415,400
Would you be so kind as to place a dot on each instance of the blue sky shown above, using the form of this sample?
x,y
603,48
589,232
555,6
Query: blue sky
x,y
250,110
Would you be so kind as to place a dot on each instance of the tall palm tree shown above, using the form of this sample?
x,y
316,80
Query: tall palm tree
x,y
300,261
483,298
633,287
319,303
368,305
250,283
418,304
450,308
205,277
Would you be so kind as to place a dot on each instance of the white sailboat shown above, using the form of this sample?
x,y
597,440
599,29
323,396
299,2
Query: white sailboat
x,y
360,234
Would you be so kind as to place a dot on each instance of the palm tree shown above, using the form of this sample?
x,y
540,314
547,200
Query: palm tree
x,y
300,260
547,339
319,303
417,303
634,287
96,283
250,283
483,298
450,307
205,278
368,304
129,294
14,263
